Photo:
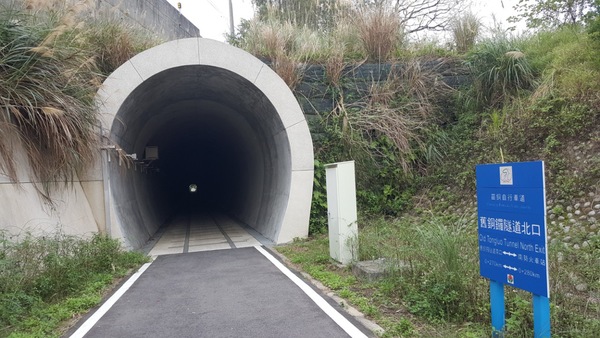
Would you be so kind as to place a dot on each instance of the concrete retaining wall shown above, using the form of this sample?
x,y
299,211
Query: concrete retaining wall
x,y
157,17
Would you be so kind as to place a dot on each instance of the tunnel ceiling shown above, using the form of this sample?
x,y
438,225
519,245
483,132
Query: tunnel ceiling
x,y
193,84
220,118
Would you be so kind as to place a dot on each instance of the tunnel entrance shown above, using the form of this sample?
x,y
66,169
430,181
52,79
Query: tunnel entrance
x,y
198,112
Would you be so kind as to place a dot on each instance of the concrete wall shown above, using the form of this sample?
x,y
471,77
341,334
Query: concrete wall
x,y
157,17
200,79
23,209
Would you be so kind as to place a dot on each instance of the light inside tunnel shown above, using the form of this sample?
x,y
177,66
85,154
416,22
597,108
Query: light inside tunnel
x,y
213,128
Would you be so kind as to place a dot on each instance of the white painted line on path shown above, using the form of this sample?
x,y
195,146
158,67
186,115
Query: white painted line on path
x,y
337,317
87,326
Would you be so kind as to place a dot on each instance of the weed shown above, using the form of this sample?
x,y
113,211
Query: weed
x,y
380,31
48,279
500,71
465,30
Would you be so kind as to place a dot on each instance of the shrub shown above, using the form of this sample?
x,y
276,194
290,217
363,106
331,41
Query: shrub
x,y
380,31
50,70
465,30
500,71
36,272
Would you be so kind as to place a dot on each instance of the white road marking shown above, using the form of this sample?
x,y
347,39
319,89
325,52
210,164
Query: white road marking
x,y
337,317
87,326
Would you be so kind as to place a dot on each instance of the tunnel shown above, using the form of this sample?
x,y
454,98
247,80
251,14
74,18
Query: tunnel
x,y
196,125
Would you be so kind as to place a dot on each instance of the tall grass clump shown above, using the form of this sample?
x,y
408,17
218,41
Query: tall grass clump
x,y
465,31
113,43
568,60
433,264
401,109
47,90
51,66
39,273
380,30
500,71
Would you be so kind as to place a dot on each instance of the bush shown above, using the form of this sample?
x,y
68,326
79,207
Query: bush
x,y
500,71
38,271
434,263
380,31
465,30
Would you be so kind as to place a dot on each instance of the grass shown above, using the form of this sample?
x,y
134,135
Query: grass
x,y
465,31
380,32
500,70
47,280
435,289
51,68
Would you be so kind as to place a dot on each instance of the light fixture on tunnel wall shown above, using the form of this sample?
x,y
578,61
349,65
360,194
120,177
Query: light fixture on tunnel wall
x,y
151,153
193,188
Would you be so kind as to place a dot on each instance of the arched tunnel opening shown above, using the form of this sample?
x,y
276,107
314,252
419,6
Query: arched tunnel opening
x,y
196,112
211,128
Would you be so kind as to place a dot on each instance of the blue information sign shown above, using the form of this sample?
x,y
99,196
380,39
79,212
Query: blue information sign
x,y
511,203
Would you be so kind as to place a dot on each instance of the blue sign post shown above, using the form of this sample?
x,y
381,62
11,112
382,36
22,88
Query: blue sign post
x,y
511,201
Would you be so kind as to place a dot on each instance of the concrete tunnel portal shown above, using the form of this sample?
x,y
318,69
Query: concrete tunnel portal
x,y
219,119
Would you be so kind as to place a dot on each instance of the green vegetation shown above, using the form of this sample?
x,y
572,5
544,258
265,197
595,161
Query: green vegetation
x,y
415,146
51,66
47,280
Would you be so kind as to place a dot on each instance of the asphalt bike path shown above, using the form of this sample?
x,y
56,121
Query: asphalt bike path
x,y
243,292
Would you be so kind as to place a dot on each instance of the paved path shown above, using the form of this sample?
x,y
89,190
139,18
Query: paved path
x,y
202,232
232,292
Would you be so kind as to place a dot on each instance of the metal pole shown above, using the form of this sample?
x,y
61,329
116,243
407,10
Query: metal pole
x,y
231,28
497,307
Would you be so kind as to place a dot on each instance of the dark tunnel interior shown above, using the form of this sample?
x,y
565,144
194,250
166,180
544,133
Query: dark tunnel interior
x,y
213,129
205,152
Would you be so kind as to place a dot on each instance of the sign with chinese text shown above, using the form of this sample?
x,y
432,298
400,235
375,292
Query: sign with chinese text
x,y
511,203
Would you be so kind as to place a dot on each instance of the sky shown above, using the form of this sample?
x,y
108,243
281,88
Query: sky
x,y
212,16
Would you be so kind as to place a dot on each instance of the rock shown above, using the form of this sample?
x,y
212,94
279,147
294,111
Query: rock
x,y
577,212
567,239
586,204
561,218
554,241
372,270
560,256
592,213
585,244
576,247
596,199
592,220
553,222
569,208
566,229
581,287
582,218
570,215
597,206
593,226
552,216
572,221
577,205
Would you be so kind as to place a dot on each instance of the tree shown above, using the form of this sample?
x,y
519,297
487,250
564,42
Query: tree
x,y
415,15
421,15
317,14
553,13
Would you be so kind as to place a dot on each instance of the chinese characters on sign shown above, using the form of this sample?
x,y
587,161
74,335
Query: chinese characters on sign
x,y
512,225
